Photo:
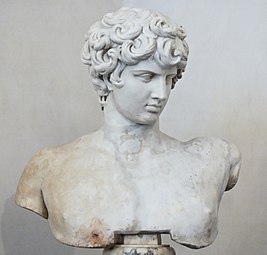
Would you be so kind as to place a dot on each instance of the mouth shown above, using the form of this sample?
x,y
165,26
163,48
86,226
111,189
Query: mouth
x,y
154,108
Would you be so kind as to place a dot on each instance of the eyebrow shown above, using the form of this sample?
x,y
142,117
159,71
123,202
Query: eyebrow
x,y
142,71
148,71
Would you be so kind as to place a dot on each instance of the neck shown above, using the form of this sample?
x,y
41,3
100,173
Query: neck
x,y
145,133
126,135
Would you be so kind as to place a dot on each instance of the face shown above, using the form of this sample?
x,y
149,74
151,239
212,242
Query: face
x,y
145,93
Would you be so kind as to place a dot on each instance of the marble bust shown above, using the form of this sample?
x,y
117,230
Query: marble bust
x,y
128,176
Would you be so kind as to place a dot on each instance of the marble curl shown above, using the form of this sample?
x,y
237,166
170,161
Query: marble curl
x,y
127,37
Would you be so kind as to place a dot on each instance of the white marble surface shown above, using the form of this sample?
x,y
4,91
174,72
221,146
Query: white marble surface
x,y
129,176
90,190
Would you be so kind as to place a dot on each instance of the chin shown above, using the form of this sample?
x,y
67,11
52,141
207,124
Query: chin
x,y
146,119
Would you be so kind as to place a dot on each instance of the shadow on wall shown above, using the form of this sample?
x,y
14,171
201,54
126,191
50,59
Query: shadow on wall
x,y
25,233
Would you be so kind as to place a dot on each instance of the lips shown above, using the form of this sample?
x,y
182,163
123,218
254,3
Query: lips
x,y
155,108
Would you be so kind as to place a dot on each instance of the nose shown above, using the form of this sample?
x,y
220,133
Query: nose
x,y
159,89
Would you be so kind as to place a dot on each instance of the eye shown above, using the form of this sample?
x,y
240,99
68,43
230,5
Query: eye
x,y
146,77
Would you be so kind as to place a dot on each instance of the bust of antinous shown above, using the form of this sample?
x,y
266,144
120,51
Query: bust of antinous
x,y
128,175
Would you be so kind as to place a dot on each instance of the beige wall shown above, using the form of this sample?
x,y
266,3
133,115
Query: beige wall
x,y
45,99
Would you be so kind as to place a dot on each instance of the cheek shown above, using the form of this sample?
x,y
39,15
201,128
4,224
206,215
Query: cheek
x,y
133,98
126,103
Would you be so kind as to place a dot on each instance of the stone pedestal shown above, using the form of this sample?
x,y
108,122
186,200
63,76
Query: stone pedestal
x,y
139,244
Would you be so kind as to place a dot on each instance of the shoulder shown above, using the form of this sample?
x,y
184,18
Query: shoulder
x,y
43,162
28,194
204,146
29,190
207,145
39,162
211,145
218,149
47,162
224,148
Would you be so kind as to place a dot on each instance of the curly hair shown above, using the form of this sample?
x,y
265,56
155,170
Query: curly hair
x,y
127,37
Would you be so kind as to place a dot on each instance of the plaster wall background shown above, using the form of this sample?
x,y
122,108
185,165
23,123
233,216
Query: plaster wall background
x,y
46,99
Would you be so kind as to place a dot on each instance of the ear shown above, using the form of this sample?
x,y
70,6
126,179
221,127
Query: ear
x,y
99,83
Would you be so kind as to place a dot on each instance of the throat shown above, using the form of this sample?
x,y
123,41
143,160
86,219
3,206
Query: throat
x,y
130,141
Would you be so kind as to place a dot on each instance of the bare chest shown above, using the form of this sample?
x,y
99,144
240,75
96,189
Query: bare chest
x,y
172,193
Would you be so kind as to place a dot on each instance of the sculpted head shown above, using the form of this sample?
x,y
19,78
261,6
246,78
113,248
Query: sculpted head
x,y
127,37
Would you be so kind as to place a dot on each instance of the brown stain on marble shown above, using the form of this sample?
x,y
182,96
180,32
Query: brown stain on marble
x,y
96,238
94,235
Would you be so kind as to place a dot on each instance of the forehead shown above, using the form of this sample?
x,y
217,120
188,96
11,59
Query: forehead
x,y
152,66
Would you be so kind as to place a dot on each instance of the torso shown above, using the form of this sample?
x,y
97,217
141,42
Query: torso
x,y
90,193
